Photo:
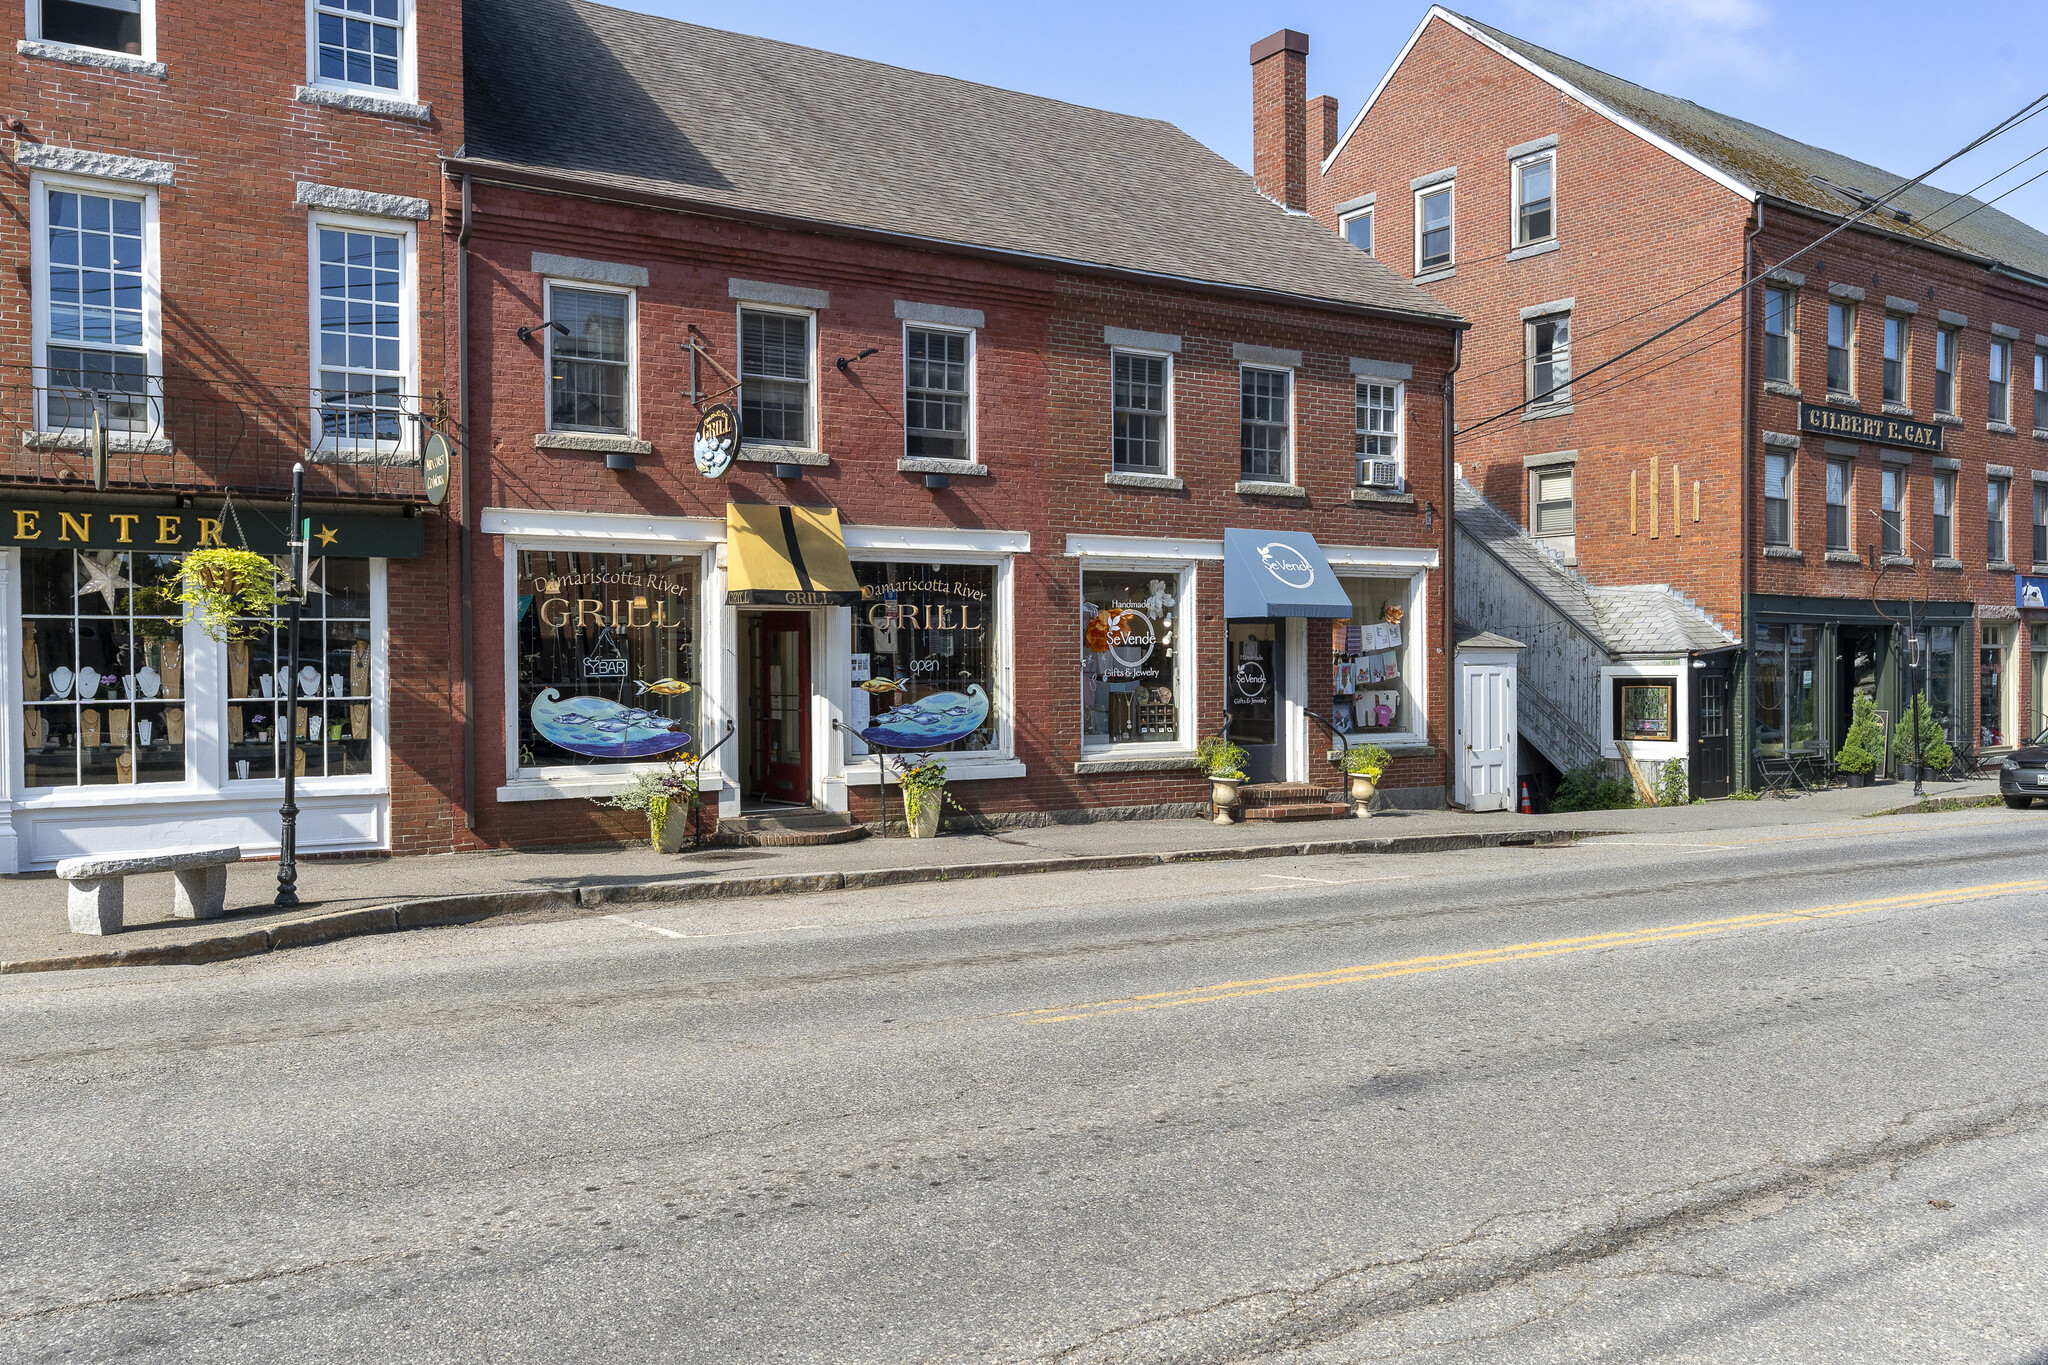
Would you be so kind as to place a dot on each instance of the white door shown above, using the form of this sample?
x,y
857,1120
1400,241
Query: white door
x,y
1486,733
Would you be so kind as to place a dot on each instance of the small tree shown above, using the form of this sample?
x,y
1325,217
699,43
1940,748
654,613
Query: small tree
x,y
1860,746
1672,788
1933,749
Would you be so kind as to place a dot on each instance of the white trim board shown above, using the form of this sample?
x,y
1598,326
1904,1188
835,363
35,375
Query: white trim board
x,y
1619,120
956,539
520,521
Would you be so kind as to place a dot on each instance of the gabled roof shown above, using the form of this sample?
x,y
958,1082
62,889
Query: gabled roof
x,y
610,98
1756,162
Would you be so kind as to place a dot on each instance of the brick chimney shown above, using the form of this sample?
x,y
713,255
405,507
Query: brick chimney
x,y
1322,126
1280,117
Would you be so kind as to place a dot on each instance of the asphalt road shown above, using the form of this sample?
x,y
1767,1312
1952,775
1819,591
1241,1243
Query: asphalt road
x,y
1755,1095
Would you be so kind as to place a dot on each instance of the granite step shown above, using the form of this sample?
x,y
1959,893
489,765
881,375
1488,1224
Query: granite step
x,y
793,828
1307,810
1282,794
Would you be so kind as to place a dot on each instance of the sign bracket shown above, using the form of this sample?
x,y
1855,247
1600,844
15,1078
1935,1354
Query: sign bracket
x,y
697,346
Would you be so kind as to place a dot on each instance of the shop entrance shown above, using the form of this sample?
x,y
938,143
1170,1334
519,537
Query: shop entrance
x,y
1859,662
775,702
1253,686
1712,769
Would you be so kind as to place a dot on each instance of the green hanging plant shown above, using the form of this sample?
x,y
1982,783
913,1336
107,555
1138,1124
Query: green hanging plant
x,y
215,587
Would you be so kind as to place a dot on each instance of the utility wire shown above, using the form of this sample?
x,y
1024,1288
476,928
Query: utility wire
x,y
1989,202
2027,111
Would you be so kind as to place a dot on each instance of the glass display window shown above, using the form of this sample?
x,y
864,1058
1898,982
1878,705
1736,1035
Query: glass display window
x,y
1130,651
926,659
608,668
1991,688
1646,710
330,734
1372,693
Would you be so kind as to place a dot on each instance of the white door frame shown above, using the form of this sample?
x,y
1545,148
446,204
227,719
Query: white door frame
x,y
1485,658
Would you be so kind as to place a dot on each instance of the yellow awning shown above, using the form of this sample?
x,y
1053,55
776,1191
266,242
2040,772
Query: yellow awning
x,y
786,557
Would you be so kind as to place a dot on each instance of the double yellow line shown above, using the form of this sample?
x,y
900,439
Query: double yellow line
x,y
1514,952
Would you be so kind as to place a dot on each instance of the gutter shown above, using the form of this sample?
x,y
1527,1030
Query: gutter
x,y
467,510
1448,557
492,173
1740,701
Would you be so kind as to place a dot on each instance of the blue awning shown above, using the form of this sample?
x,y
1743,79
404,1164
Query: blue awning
x,y
1279,573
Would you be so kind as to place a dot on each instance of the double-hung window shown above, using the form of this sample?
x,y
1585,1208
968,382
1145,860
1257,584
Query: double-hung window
x,y
1997,496
1839,483
590,364
1378,433
776,398
1890,510
1265,424
97,357
1358,230
1842,348
1777,498
1998,382
361,43
2041,390
1896,338
937,398
107,25
1944,503
1945,372
2041,532
1778,335
363,335
1535,206
1550,499
1433,243
1549,359
1139,413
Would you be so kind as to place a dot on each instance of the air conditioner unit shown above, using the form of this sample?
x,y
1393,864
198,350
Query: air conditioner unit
x,y
1382,474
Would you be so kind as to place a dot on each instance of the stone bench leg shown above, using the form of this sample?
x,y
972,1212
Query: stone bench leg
x,y
95,906
202,892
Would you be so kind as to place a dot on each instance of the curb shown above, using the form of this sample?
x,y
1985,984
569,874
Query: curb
x,y
451,910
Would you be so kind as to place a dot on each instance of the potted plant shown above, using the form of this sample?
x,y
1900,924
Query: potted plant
x,y
1363,764
1933,749
1223,763
1857,759
217,586
924,794
662,794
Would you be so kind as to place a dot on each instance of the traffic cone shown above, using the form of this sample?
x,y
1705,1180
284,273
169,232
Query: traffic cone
x,y
1527,809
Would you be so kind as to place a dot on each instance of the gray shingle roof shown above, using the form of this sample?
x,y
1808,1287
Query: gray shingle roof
x,y
649,104
1784,169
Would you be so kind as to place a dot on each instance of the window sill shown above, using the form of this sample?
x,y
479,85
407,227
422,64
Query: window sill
x,y
363,102
580,788
591,440
392,458
1380,496
1948,419
1165,483
1896,561
1537,414
1843,400
1844,557
126,63
2002,428
1941,563
1397,743
1432,276
1523,253
2041,433
1895,410
816,459
1782,389
959,768
1258,488
120,442
1103,761
1783,552
1999,566
926,464
265,790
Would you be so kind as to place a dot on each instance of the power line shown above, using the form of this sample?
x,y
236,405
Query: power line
x,y
1989,202
2027,111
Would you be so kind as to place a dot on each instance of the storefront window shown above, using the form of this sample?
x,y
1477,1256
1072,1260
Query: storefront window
x,y
2040,725
331,737
1646,710
103,669
1372,692
1770,689
608,668
1941,678
1802,669
1129,653
924,659
1991,689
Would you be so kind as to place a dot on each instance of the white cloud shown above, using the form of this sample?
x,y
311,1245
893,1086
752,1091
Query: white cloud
x,y
1673,45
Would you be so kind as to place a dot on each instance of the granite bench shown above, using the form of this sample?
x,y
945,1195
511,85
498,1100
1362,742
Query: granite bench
x,y
96,884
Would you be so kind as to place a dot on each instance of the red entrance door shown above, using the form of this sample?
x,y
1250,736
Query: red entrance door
x,y
780,766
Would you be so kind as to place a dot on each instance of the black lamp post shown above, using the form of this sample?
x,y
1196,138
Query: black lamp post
x,y
295,596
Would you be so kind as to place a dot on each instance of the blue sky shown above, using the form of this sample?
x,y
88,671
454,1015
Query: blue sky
x,y
1899,85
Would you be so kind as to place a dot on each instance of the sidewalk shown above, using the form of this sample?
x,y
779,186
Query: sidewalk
x,y
378,895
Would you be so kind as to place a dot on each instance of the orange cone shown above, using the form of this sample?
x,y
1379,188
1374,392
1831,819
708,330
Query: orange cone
x,y
1527,809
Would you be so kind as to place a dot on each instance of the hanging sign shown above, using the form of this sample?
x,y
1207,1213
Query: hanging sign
x,y
2032,592
434,465
718,439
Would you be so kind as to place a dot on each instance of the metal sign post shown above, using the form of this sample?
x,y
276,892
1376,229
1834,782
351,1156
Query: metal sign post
x,y
288,814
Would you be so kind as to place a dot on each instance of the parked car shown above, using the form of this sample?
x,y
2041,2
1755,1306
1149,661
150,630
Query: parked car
x,y
2023,776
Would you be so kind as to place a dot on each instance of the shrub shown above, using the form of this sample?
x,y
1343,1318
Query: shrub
x,y
1218,757
1672,787
1590,788
1935,752
1860,745
1369,759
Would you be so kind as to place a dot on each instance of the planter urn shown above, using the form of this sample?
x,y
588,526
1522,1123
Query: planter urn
x,y
1362,786
1223,796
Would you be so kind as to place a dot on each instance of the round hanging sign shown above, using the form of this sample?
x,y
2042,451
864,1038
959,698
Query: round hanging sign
x,y
718,439
434,464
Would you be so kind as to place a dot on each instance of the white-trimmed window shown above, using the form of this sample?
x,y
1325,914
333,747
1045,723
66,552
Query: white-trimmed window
x,y
1842,348
1265,424
1548,341
778,384
1357,229
1998,382
1891,511
1535,199
2041,390
104,25
1898,332
591,343
938,393
1777,497
98,324
1141,412
1550,504
1943,506
1778,314
364,333
361,45
1997,504
1137,676
1378,422
1376,656
1841,478
1945,371
1434,242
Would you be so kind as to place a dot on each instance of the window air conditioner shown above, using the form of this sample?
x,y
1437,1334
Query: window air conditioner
x,y
1382,474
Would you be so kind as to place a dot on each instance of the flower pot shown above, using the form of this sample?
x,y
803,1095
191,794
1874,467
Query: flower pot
x,y
1853,779
1223,797
924,820
1363,785
675,833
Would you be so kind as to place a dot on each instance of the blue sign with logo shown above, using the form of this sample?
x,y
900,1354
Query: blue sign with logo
x,y
2032,592
1279,573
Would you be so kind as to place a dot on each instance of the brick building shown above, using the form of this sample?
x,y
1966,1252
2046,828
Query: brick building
x,y
998,435
225,227
1843,457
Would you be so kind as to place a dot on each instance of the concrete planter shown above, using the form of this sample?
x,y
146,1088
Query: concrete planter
x,y
925,824
1223,797
675,835
1362,785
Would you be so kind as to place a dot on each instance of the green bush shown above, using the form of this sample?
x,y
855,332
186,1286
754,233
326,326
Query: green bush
x,y
1220,758
1934,747
1369,759
1590,788
1860,745
1672,787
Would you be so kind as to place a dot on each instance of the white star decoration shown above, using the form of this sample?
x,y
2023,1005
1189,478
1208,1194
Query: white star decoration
x,y
104,573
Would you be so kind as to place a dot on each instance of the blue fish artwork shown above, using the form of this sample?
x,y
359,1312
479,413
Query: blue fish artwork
x,y
599,727
930,721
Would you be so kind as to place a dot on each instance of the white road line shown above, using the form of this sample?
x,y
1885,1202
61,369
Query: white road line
x,y
1336,881
718,933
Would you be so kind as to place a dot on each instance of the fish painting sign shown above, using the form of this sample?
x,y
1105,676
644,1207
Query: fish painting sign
x,y
717,441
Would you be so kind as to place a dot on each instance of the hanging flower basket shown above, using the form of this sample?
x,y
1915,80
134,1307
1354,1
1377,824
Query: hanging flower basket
x,y
217,587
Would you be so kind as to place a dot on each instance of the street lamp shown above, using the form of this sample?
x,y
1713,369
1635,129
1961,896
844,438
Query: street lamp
x,y
295,595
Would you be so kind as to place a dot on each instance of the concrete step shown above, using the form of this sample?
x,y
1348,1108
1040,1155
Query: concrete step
x,y
796,827
794,817
1307,810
